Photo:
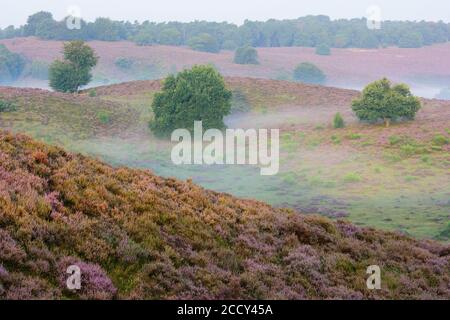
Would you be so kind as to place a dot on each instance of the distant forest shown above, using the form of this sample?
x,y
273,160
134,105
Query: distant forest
x,y
308,31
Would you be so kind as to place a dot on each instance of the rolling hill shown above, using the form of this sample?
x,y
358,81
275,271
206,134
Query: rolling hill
x,y
393,178
136,235
427,69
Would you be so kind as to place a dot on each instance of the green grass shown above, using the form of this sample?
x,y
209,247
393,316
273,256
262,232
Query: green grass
x,y
401,185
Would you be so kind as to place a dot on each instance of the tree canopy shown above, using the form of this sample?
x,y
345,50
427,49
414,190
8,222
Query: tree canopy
x,y
75,70
381,100
308,31
198,94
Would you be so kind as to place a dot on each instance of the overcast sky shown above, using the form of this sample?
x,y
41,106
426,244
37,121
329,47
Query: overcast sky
x,y
16,11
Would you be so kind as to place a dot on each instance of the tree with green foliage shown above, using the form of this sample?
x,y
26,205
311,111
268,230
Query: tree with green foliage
x,y
323,50
198,94
381,100
308,31
309,73
11,65
204,42
246,55
35,21
75,70
338,121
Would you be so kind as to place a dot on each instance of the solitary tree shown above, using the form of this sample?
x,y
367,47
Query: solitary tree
x,y
246,55
381,100
75,70
309,73
192,95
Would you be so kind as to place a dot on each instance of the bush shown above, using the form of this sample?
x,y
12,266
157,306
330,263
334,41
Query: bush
x,y
104,117
191,95
309,73
124,63
92,93
381,100
352,177
440,140
204,42
7,106
394,140
338,121
246,55
323,50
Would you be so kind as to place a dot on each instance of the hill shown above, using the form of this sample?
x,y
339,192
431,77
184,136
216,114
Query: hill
x,y
137,235
426,69
390,178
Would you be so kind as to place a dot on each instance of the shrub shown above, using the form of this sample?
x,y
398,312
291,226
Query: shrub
x,y
394,140
354,136
338,121
124,63
440,140
7,106
92,93
309,73
323,50
103,117
352,177
246,55
335,139
381,100
95,282
195,94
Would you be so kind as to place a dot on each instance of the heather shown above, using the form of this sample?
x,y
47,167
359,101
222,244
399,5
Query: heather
x,y
135,235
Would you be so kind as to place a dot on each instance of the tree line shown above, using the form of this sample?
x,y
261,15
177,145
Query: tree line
x,y
308,31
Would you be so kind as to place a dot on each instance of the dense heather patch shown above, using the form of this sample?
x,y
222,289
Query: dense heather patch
x,y
136,235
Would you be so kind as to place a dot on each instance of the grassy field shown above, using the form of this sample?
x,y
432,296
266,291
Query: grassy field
x,y
393,178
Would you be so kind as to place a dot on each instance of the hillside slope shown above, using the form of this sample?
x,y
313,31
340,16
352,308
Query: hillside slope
x,y
429,64
136,235
394,178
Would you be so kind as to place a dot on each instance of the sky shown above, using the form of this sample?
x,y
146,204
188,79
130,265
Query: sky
x,y
236,11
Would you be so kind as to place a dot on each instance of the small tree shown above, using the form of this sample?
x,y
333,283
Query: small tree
x,y
382,100
323,50
246,55
309,73
75,70
11,65
338,121
192,95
